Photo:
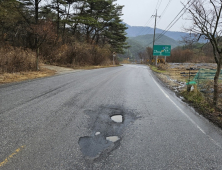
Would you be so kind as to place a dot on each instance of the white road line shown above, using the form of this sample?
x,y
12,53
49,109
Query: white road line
x,y
186,114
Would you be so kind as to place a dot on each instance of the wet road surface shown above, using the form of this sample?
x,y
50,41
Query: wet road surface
x,y
109,119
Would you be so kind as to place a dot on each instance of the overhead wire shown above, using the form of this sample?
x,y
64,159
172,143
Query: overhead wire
x,y
173,22
166,8
150,28
159,4
147,23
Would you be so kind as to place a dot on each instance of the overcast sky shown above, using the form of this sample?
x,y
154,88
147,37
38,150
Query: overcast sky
x,y
139,12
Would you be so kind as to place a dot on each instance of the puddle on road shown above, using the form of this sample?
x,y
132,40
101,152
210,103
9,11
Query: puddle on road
x,y
117,118
92,147
97,133
112,138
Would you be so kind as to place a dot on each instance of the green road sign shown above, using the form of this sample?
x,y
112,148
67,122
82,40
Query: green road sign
x,y
161,50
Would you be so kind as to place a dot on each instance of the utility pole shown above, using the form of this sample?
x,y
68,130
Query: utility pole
x,y
155,32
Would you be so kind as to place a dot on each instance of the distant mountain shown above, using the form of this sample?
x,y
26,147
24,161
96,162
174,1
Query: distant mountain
x,y
147,40
134,31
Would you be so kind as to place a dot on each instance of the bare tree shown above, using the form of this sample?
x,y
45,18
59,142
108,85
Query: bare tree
x,y
149,52
207,23
140,54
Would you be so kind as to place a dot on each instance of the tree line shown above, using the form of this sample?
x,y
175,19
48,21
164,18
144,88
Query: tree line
x,y
78,28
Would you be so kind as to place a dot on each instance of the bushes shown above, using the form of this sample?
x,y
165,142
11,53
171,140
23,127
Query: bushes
x,y
189,56
16,60
78,54
180,56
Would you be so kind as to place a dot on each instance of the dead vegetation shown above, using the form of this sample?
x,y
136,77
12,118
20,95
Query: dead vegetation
x,y
78,54
16,60
17,64
21,76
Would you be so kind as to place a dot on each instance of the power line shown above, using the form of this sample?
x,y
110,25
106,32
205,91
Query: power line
x,y
159,5
173,22
160,15
164,32
144,29
166,8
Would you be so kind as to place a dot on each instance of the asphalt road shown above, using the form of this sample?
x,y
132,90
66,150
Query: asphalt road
x,y
65,122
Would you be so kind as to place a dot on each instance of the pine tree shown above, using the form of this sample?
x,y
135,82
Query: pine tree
x,y
115,33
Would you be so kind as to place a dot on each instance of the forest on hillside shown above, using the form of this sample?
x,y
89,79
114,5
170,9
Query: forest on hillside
x,y
62,32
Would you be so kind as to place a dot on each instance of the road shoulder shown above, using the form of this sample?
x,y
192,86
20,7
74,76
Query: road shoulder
x,y
195,100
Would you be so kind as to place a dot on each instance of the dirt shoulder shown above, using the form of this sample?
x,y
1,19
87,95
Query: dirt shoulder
x,y
21,76
58,69
171,76
45,71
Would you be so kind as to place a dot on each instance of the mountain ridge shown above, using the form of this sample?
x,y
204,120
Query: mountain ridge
x,y
134,31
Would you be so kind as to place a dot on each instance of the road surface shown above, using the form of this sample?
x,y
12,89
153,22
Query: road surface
x,y
106,119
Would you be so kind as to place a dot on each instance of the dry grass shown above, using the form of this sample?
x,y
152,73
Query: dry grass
x,y
94,67
16,60
17,64
78,54
170,76
125,61
21,76
43,72
188,55
157,69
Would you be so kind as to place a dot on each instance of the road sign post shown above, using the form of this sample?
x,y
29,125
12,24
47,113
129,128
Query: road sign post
x,y
114,55
161,50
156,59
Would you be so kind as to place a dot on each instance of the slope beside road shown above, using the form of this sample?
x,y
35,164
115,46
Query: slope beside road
x,y
66,122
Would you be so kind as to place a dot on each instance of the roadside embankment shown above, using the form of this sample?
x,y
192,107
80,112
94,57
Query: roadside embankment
x,y
176,75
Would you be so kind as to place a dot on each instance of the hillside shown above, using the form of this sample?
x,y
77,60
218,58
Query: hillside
x,y
147,40
134,31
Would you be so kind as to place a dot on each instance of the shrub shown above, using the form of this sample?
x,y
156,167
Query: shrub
x,y
78,54
187,55
16,60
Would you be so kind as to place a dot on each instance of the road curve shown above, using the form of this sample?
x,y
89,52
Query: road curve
x,y
65,122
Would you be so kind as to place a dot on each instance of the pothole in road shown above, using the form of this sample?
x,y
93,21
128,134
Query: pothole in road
x,y
107,124
117,118
112,138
